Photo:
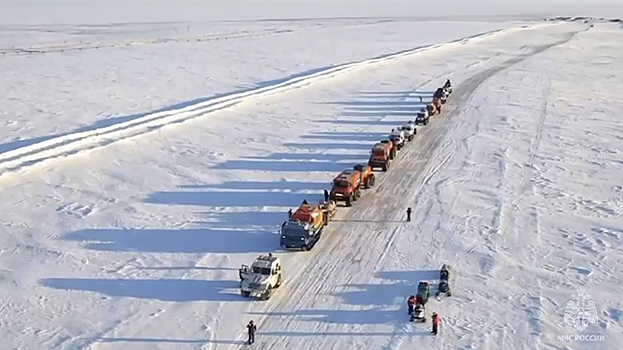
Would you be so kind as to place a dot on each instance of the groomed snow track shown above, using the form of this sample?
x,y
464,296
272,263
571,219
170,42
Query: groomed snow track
x,y
80,142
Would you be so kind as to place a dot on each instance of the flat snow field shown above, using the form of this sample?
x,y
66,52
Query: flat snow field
x,y
113,242
63,79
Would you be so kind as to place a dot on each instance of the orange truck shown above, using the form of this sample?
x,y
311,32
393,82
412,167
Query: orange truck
x,y
381,155
303,229
347,185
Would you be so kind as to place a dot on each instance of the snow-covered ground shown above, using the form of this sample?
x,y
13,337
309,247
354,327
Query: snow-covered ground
x,y
56,93
117,243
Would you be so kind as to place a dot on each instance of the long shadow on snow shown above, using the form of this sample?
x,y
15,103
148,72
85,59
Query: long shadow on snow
x,y
327,157
387,103
405,284
249,220
372,316
173,290
388,123
175,241
382,298
346,146
394,94
263,185
282,166
228,198
387,110
356,136
103,123
167,340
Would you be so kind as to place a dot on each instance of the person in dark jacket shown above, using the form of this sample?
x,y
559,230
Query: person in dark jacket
x,y
435,323
409,214
251,328
290,214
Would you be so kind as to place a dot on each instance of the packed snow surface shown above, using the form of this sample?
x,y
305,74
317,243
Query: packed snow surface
x,y
128,234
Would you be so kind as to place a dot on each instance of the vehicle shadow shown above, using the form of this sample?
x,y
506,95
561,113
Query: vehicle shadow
x,y
172,290
370,303
293,186
188,241
231,198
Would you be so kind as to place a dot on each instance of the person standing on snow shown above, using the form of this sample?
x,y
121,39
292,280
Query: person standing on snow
x,y
411,304
290,214
408,214
435,323
251,328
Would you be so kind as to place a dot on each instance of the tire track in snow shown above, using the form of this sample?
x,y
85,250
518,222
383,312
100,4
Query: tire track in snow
x,y
77,143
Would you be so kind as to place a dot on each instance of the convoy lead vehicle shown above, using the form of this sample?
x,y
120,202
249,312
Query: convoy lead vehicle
x,y
262,278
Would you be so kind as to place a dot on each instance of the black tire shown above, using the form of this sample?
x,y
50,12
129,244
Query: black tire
x,y
384,167
268,293
278,284
349,201
245,294
372,180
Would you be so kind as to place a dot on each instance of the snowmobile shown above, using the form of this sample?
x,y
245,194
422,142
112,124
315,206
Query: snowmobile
x,y
448,87
444,285
423,292
419,313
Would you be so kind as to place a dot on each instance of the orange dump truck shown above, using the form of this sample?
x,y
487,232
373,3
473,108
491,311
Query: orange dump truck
x,y
347,185
381,155
303,229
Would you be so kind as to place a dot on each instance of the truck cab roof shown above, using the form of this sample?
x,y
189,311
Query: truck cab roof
x,y
265,261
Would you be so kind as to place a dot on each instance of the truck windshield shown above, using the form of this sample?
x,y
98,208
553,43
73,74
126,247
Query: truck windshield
x,y
340,183
261,270
294,232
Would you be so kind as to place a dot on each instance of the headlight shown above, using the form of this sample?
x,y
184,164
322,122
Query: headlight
x,y
283,236
302,238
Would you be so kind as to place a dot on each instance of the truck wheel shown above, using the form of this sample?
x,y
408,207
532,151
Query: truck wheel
x,y
349,201
278,284
385,166
245,294
268,293
372,180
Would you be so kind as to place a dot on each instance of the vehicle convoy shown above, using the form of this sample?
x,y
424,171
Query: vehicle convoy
x,y
264,276
397,136
409,130
381,155
304,228
347,185
438,104
422,117
432,109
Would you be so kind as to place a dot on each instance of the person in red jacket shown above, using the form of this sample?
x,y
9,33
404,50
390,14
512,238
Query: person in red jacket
x,y
435,323
411,304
